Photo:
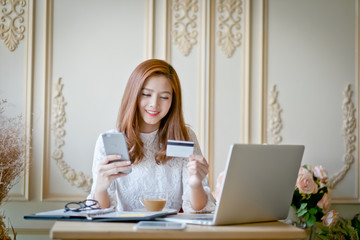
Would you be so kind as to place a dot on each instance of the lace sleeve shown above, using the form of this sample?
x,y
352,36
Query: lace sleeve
x,y
210,205
99,154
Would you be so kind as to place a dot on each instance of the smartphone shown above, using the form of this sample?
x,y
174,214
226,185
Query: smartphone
x,y
159,225
115,144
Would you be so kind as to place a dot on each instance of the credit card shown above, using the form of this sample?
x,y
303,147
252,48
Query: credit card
x,y
179,148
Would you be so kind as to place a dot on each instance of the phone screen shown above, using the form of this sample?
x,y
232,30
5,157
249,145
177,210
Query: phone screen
x,y
159,225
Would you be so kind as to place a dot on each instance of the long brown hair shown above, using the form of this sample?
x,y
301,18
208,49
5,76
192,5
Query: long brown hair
x,y
172,126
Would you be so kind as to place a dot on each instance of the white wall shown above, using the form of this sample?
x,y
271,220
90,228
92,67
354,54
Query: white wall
x,y
307,49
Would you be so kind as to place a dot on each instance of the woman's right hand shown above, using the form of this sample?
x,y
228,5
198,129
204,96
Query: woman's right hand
x,y
109,169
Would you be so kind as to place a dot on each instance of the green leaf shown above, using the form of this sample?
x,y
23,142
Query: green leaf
x,y
301,213
303,206
313,211
311,221
306,217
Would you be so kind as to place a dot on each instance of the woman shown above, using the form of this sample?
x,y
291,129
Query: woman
x,y
150,114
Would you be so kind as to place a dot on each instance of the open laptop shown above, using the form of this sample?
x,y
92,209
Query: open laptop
x,y
258,186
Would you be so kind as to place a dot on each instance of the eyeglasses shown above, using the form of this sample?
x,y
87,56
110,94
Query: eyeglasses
x,y
88,204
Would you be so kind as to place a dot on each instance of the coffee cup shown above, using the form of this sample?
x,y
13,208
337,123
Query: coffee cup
x,y
153,201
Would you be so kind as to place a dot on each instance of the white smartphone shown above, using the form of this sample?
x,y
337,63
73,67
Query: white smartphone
x,y
115,144
159,225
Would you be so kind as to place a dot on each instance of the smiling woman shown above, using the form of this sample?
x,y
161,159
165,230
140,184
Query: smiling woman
x,y
154,102
151,77
150,115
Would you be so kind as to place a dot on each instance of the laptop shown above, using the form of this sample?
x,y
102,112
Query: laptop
x,y
258,186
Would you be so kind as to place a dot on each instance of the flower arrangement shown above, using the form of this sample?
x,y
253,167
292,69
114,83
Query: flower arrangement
x,y
339,229
312,198
12,159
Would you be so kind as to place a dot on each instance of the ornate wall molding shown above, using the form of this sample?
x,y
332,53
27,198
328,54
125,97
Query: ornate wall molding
x,y
229,35
275,121
11,30
349,126
185,34
78,179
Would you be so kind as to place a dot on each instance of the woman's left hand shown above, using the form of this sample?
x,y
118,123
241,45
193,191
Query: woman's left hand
x,y
198,168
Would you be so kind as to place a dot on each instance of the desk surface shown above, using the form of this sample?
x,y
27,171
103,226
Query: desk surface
x,y
110,230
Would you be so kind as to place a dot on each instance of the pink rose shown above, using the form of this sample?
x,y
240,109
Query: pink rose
x,y
305,183
219,184
330,218
325,202
304,169
320,173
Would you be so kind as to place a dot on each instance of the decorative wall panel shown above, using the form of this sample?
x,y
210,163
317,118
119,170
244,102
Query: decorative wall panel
x,y
275,121
229,28
75,178
16,75
12,27
314,111
84,102
349,127
184,33
231,94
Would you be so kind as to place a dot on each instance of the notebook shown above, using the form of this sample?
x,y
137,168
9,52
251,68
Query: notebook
x,y
258,186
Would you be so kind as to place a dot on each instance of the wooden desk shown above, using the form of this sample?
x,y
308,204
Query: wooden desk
x,y
101,230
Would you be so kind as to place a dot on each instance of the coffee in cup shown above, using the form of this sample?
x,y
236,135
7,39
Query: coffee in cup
x,y
154,201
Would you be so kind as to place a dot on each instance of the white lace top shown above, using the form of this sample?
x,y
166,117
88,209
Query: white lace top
x,y
171,177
